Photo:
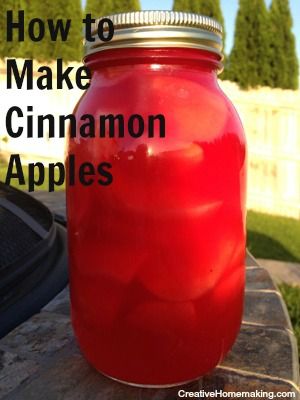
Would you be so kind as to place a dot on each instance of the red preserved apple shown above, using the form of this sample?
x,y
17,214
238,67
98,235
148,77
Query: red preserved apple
x,y
157,257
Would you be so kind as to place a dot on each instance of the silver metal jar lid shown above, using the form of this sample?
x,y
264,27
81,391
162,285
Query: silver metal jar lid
x,y
159,29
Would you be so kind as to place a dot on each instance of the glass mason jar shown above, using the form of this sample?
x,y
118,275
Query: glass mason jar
x,y
157,256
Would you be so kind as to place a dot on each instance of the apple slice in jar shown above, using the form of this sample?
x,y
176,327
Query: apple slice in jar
x,y
190,254
97,301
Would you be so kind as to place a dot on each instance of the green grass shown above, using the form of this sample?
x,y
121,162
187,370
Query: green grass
x,y
291,297
278,238
273,237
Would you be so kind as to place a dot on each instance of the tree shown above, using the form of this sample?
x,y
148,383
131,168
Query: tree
x,y
181,5
100,8
45,50
284,62
69,50
27,48
249,61
9,49
125,5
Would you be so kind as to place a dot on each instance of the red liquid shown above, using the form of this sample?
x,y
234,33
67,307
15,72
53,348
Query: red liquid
x,y
157,257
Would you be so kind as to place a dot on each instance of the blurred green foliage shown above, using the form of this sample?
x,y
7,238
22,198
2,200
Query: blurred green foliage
x,y
44,50
291,296
249,61
283,59
99,8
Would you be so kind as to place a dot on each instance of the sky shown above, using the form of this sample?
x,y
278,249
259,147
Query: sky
x,y
229,8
